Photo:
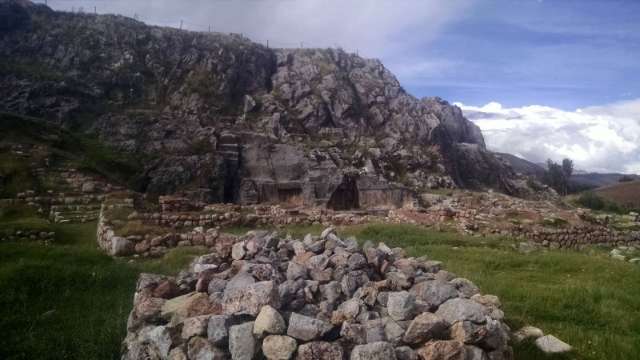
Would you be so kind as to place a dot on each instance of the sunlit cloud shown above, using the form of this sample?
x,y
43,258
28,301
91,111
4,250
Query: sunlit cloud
x,y
601,138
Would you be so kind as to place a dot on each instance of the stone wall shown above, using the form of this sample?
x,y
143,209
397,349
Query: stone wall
x,y
26,234
106,236
578,237
225,215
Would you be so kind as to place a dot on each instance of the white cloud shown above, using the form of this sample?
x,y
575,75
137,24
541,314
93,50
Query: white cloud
x,y
377,28
601,138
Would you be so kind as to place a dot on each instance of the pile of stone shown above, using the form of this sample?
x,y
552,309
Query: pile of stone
x,y
626,253
28,235
319,298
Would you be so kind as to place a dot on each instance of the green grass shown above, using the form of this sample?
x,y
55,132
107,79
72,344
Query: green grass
x,y
585,299
81,151
69,300
19,217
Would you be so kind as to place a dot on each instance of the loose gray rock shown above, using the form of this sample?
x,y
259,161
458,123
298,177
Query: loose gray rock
x,y
200,349
424,327
443,349
550,344
461,310
250,298
465,287
242,344
375,351
217,329
434,293
276,347
374,308
401,305
195,326
406,353
527,332
269,321
306,328
320,350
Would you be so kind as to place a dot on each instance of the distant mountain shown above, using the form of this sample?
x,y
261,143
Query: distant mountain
x,y
580,180
596,180
522,166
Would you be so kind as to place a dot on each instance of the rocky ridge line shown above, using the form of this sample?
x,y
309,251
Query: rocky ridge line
x,y
220,115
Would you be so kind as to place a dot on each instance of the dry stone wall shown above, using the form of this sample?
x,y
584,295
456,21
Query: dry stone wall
x,y
225,215
26,234
318,298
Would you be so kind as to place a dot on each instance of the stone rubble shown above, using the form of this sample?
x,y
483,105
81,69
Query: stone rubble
x,y
539,224
550,344
317,298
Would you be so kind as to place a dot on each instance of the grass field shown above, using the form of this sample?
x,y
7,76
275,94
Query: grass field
x,y
585,299
626,194
69,301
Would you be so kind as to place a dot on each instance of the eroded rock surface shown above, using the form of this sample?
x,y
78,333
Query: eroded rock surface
x,y
226,119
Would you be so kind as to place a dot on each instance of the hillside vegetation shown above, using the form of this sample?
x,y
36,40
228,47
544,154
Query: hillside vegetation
x,y
27,143
625,194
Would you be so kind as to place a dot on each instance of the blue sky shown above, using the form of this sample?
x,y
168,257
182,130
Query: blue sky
x,y
561,53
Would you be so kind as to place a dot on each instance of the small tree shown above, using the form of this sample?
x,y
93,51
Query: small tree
x,y
567,168
557,176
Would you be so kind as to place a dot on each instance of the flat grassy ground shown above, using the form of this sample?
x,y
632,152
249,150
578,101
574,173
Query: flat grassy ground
x,y
69,301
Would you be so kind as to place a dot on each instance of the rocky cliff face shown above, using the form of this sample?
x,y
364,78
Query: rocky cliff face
x,y
235,121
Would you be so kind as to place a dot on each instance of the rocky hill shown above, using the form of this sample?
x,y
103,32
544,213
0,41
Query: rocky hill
x,y
224,119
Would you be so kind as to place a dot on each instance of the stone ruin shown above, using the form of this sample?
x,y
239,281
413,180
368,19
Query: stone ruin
x,y
265,297
256,171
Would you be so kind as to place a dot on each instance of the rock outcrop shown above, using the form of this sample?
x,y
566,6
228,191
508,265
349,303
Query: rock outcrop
x,y
320,298
229,120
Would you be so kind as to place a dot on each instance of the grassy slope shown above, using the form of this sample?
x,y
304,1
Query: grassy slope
x,y
69,301
82,152
625,194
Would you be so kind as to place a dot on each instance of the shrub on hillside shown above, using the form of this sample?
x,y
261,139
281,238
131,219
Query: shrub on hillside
x,y
592,201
